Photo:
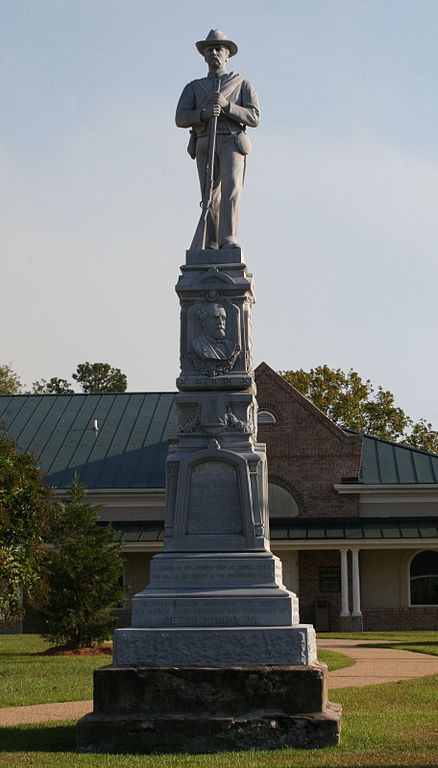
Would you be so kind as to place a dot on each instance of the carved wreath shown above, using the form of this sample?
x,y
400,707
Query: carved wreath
x,y
213,368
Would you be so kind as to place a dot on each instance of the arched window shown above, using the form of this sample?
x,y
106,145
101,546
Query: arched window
x,y
424,578
281,502
266,417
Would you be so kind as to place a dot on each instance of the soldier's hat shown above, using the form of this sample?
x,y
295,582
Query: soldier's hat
x,y
218,37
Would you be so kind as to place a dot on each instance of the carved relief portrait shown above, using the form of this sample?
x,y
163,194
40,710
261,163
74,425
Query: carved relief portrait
x,y
213,346
212,343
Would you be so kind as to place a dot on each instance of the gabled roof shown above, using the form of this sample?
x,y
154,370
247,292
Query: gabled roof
x,y
264,370
383,461
128,450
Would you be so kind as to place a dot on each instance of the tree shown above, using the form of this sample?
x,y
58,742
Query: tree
x,y
10,383
424,436
100,377
26,515
54,386
85,572
351,402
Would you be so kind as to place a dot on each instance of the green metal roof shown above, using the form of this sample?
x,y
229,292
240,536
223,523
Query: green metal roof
x,y
299,530
388,463
128,450
355,528
131,532
130,446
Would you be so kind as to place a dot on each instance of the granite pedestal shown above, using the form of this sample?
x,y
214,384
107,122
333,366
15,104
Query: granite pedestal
x,y
216,657
209,710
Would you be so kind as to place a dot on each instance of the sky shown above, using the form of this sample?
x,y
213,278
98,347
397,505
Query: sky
x,y
99,199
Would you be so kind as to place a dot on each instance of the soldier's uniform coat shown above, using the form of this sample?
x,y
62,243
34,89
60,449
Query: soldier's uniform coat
x,y
244,110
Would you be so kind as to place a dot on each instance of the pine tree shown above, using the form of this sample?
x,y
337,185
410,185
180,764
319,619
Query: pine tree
x,y
100,377
84,575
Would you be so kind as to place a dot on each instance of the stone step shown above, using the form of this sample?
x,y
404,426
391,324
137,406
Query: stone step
x,y
244,608
214,647
211,570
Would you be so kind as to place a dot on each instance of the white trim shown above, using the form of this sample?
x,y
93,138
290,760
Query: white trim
x,y
388,493
117,492
320,544
305,544
142,546
345,611
356,581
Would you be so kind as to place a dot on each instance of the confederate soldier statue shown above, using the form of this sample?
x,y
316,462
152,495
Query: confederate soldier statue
x,y
217,109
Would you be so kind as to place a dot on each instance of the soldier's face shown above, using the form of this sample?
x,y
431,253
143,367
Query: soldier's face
x,y
216,56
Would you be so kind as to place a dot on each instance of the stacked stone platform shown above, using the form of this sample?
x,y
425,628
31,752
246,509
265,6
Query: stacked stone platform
x,y
210,710
216,657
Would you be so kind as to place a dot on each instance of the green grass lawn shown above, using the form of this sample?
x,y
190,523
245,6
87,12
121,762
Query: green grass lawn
x,y
391,725
26,678
387,725
334,660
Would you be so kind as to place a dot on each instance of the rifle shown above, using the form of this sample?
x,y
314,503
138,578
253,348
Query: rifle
x,y
198,242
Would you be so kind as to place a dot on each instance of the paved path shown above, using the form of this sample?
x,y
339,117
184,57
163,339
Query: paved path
x,y
377,665
373,665
40,713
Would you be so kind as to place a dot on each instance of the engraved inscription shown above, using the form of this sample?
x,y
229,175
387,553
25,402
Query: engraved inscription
x,y
205,612
214,505
217,573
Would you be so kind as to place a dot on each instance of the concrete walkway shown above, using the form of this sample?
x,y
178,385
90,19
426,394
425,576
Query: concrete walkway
x,y
41,713
377,665
373,665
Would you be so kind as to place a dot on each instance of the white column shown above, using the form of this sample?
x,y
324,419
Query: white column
x,y
344,582
356,581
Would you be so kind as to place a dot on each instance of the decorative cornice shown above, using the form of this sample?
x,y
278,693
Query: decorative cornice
x,y
394,492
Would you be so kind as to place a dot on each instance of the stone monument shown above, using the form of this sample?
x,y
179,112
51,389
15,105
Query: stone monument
x,y
216,657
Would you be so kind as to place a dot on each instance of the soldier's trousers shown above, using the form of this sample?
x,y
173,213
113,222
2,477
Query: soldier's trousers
x,y
223,217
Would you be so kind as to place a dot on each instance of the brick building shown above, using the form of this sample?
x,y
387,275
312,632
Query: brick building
x,y
363,533
354,518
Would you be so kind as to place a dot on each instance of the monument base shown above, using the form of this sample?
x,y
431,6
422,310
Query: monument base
x,y
195,710
214,646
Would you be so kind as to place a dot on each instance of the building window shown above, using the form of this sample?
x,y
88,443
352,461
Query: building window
x,y
266,417
329,579
281,502
424,578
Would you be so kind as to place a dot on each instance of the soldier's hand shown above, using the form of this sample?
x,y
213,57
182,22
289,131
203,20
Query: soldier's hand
x,y
212,110
221,100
